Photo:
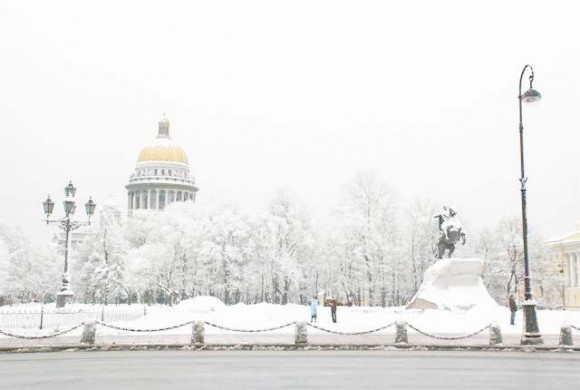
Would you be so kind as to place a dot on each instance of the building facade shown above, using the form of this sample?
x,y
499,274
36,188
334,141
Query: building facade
x,y
565,254
161,176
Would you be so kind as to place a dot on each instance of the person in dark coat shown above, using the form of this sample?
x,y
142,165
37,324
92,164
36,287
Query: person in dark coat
x,y
332,303
513,308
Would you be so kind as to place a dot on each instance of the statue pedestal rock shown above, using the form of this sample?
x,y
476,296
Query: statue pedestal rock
x,y
453,284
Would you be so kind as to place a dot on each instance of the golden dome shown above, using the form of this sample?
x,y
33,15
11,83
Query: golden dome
x,y
163,150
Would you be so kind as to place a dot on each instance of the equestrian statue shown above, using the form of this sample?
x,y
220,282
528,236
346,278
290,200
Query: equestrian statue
x,y
451,232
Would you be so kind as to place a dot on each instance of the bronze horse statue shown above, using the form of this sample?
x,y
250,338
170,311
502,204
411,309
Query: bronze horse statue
x,y
451,234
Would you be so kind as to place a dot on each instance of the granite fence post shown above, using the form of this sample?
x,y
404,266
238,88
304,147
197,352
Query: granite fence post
x,y
301,333
89,332
566,335
495,336
198,333
401,332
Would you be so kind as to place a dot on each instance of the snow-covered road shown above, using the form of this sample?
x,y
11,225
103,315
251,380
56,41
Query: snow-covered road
x,y
288,370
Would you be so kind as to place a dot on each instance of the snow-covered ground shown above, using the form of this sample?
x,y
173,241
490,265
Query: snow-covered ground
x,y
263,316
355,319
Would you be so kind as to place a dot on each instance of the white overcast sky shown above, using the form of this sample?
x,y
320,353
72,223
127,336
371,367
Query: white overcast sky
x,y
294,94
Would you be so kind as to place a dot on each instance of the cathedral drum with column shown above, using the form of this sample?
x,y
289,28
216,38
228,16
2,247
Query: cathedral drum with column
x,y
161,175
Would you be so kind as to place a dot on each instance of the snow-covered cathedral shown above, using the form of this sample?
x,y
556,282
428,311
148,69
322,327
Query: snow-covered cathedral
x,y
161,175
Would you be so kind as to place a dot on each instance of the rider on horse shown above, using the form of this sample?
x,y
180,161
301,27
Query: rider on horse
x,y
451,232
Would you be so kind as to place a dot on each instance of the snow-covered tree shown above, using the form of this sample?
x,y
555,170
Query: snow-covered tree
x,y
371,263
502,249
286,244
224,252
421,233
102,268
27,272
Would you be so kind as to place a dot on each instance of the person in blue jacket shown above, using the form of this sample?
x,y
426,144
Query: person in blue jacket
x,y
313,309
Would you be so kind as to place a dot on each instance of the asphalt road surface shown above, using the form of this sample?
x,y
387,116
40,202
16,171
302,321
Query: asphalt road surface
x,y
144,370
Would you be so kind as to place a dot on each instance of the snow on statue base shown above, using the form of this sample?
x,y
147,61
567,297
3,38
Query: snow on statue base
x,y
453,284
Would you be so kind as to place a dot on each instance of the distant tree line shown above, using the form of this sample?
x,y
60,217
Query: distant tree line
x,y
369,251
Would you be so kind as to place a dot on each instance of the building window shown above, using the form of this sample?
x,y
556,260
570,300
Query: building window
x,y
144,196
179,196
171,197
163,172
156,172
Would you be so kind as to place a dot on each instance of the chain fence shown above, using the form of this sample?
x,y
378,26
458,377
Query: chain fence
x,y
143,330
350,333
55,334
451,337
231,329
249,330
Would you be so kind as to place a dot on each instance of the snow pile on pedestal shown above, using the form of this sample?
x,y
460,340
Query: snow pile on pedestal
x,y
453,284
201,304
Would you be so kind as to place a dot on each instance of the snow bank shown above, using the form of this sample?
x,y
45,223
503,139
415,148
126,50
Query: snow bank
x,y
201,304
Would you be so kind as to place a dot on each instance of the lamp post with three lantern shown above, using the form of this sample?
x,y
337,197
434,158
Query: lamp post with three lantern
x,y
65,294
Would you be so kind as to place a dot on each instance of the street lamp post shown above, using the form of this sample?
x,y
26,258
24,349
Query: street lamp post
x,y
68,225
562,295
531,333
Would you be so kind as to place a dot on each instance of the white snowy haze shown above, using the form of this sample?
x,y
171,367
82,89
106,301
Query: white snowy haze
x,y
299,95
